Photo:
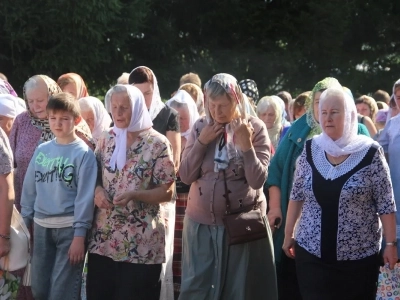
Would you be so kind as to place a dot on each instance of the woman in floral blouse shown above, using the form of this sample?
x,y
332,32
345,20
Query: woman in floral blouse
x,y
127,244
341,189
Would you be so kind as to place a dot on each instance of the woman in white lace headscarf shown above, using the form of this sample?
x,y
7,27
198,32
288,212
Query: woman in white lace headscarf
x,y
228,142
128,238
341,198
95,115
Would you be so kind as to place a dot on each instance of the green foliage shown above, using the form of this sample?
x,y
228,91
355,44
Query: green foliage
x,y
54,37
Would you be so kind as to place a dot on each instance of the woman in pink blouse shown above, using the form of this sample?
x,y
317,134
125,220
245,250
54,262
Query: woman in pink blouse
x,y
127,243
225,141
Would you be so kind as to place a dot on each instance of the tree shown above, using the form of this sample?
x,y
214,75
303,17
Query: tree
x,y
54,37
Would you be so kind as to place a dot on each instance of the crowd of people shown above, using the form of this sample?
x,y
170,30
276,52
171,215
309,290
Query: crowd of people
x,y
129,199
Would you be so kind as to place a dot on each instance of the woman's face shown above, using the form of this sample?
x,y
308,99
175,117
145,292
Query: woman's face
x,y
268,117
316,104
37,99
184,118
88,116
121,110
397,96
222,109
71,88
6,124
332,117
147,90
363,109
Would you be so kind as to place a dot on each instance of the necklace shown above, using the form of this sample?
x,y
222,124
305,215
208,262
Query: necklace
x,y
335,163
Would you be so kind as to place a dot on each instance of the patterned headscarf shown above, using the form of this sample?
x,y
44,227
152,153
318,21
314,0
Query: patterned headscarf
x,y
249,88
81,90
328,82
6,88
43,124
226,149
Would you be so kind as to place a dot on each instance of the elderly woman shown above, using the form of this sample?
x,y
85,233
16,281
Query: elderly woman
x,y
31,128
183,103
73,83
127,244
390,141
270,111
10,108
197,94
342,187
95,115
227,153
280,181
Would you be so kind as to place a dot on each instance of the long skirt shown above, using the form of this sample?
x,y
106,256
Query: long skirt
x,y
350,280
213,270
180,208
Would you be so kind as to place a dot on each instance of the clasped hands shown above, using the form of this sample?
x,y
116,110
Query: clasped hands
x,y
242,129
102,200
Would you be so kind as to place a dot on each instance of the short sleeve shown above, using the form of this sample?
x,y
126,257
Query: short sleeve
x,y
6,157
297,193
382,184
173,121
164,169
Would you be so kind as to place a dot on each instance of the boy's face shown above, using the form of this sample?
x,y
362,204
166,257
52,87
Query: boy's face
x,y
62,123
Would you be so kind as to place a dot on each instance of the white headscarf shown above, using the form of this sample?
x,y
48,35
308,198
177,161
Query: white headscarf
x,y
102,119
11,106
350,142
183,97
156,104
140,120
199,96
226,149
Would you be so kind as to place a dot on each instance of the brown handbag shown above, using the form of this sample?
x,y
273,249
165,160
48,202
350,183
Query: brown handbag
x,y
245,224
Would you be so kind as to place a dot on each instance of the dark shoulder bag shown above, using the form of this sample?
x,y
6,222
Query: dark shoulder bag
x,y
245,224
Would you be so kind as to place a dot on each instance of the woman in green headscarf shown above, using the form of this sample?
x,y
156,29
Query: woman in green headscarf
x,y
280,179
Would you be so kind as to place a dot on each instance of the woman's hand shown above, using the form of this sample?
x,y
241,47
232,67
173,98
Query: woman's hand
x,y
5,247
76,252
390,256
124,199
210,133
288,246
275,218
243,132
101,198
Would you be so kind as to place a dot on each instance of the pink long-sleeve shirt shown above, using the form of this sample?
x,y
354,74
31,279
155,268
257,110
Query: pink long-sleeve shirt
x,y
206,204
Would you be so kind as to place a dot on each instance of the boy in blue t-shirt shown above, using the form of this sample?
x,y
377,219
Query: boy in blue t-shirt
x,y
57,196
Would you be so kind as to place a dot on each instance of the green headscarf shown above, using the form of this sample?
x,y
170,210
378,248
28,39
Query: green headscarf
x,y
328,82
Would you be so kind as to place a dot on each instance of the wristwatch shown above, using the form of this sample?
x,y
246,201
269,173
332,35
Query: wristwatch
x,y
394,243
